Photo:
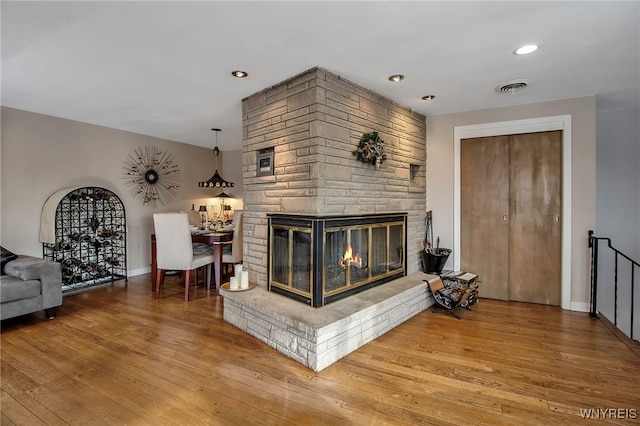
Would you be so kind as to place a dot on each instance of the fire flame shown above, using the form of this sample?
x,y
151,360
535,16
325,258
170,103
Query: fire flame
x,y
348,253
349,259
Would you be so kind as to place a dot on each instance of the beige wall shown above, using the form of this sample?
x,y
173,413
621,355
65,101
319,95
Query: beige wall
x,y
440,174
42,154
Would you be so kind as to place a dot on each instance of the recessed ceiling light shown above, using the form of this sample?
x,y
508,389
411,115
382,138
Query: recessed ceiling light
x,y
239,74
396,78
526,49
428,97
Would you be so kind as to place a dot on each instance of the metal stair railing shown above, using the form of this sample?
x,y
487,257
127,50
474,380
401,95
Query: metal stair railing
x,y
594,243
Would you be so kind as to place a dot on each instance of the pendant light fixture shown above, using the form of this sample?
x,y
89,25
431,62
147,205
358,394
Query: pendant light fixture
x,y
216,180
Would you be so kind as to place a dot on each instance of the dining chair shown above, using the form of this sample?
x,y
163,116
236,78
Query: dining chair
x,y
198,248
232,251
174,251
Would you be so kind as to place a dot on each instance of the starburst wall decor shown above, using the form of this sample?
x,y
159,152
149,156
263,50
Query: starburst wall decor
x,y
152,175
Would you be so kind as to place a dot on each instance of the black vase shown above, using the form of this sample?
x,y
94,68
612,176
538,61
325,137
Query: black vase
x,y
432,263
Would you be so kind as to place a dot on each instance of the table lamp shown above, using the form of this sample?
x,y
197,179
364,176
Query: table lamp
x,y
224,208
203,216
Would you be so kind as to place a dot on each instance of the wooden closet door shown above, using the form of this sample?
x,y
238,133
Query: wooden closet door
x,y
535,184
484,196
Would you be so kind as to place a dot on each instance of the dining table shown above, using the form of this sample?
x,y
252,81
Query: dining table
x,y
215,238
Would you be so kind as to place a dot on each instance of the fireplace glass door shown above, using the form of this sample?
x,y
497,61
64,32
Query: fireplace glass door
x,y
358,255
318,260
291,266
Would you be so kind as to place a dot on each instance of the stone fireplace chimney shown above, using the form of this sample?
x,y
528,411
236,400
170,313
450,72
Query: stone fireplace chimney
x,y
306,129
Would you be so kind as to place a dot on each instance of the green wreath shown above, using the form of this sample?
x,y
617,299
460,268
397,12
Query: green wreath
x,y
371,149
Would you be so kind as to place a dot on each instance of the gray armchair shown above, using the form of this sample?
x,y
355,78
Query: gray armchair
x,y
30,284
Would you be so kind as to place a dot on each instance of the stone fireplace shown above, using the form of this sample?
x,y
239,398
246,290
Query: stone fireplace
x,y
304,193
311,124
320,259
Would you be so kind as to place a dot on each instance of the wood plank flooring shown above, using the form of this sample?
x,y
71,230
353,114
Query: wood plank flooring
x,y
115,356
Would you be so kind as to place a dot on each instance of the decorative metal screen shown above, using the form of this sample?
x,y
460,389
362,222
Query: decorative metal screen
x,y
90,238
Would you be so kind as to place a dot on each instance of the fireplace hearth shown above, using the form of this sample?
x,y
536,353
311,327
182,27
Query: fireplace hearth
x,y
320,259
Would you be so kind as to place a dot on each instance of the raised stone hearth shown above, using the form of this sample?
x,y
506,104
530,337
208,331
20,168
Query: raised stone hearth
x,y
319,337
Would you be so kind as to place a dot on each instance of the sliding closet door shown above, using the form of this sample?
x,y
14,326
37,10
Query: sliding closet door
x,y
484,230
535,211
510,230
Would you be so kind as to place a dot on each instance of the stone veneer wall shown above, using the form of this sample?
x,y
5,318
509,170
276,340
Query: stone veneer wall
x,y
314,121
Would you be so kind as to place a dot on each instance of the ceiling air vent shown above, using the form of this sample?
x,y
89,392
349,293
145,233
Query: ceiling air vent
x,y
512,86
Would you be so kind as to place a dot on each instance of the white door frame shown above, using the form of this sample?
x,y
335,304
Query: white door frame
x,y
541,124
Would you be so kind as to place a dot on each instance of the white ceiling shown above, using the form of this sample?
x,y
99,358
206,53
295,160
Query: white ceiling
x,y
163,68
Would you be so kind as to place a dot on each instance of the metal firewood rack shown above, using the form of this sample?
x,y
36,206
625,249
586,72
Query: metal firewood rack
x,y
90,238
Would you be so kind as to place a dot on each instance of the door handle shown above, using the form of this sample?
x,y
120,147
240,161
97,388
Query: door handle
x,y
504,218
556,218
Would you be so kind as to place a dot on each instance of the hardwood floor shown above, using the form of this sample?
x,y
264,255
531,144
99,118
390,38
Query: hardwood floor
x,y
115,355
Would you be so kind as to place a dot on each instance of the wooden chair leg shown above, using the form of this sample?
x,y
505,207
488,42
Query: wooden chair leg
x,y
208,276
187,283
159,280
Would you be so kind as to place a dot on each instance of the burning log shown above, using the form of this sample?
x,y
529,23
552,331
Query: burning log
x,y
350,260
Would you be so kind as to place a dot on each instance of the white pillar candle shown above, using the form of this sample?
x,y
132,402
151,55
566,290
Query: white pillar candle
x,y
234,283
237,269
244,281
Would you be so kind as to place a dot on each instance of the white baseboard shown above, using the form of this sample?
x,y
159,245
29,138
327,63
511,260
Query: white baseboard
x,y
141,271
580,306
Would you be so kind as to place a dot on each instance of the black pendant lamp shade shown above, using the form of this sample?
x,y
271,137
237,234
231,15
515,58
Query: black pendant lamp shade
x,y
216,181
